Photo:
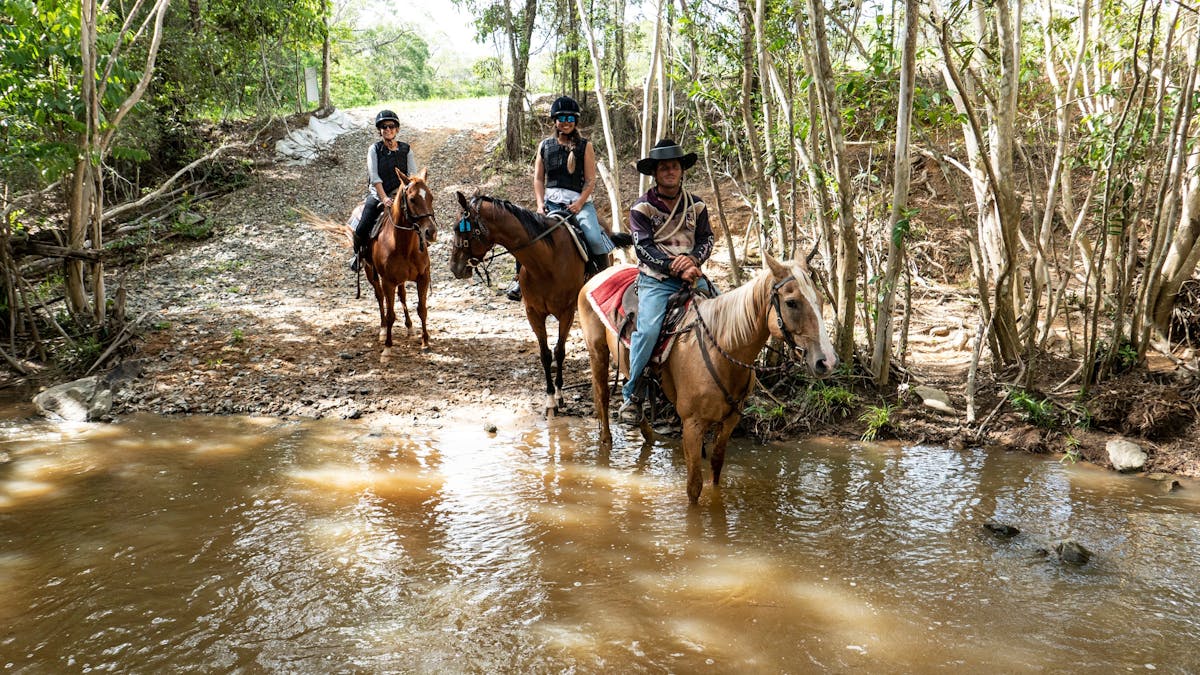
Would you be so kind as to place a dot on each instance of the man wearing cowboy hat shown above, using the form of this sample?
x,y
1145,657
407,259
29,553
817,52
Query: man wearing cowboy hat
x,y
673,238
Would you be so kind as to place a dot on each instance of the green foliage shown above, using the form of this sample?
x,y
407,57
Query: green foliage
x,y
80,354
877,418
1037,411
1071,455
237,336
826,402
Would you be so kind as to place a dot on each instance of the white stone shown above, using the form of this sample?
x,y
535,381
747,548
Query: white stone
x,y
1125,455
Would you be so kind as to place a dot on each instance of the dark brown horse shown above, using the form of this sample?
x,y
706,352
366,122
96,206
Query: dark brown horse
x,y
400,254
552,269
709,371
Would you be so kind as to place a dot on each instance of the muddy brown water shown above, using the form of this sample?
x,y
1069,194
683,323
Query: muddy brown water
x,y
226,544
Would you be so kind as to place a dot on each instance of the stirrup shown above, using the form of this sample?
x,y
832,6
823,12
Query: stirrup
x,y
630,411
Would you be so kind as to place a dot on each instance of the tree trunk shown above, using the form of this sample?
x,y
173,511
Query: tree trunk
x,y
757,181
655,55
846,282
614,185
519,42
882,356
326,106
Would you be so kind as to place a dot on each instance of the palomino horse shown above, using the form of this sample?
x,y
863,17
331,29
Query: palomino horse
x,y
709,371
552,271
400,254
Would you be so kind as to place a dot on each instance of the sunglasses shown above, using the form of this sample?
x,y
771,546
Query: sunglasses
x,y
566,118
389,126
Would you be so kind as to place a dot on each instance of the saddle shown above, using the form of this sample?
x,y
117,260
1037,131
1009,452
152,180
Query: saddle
x,y
576,232
616,301
356,215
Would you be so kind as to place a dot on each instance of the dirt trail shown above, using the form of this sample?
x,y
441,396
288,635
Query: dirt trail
x,y
262,318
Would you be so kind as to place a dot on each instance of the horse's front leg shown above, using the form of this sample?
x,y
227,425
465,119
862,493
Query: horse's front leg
x,y
404,307
389,314
538,323
422,308
565,320
693,445
719,443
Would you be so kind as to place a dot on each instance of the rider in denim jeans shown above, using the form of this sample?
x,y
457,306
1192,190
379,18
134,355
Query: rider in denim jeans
x,y
564,176
673,238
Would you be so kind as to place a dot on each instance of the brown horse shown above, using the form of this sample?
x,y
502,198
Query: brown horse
x,y
552,271
709,371
400,254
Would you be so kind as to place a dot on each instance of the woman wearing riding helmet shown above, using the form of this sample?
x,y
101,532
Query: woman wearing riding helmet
x,y
383,158
564,176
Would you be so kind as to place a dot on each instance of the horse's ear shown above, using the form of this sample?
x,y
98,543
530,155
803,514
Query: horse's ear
x,y
422,174
778,269
462,199
404,179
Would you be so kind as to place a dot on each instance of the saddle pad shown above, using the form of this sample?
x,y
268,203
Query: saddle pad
x,y
607,300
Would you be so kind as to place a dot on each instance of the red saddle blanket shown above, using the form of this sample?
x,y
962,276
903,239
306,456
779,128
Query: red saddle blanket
x,y
614,299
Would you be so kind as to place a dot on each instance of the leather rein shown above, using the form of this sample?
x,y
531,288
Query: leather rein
x,y
473,228
702,331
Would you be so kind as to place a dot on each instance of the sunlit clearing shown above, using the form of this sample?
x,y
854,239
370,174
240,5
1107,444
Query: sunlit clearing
x,y
391,484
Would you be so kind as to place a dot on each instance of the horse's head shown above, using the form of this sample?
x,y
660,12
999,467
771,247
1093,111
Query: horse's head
x,y
415,204
795,316
472,241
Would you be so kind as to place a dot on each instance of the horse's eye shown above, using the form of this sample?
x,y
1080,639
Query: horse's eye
x,y
792,304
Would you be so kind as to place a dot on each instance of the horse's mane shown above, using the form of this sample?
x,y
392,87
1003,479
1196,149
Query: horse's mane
x,y
535,224
733,317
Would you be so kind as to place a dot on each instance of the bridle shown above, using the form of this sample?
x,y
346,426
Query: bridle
x,y
412,221
703,331
471,228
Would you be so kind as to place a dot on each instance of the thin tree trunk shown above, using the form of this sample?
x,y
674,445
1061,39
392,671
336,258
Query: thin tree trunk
x,y
902,168
655,55
846,283
613,185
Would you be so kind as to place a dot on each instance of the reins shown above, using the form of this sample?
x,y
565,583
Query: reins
x,y
469,229
702,330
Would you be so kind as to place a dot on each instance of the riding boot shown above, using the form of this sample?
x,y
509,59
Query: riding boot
x,y
359,253
596,263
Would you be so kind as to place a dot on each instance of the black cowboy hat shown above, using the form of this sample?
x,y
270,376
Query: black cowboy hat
x,y
665,149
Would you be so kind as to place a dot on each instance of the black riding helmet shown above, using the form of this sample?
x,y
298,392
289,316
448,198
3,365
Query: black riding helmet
x,y
564,104
386,116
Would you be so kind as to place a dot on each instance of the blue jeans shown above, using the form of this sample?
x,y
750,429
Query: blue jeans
x,y
652,308
597,240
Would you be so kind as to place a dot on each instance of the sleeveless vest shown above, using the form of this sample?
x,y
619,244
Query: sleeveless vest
x,y
388,161
554,160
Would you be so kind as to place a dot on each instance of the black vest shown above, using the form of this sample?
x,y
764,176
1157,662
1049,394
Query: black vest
x,y
554,161
387,161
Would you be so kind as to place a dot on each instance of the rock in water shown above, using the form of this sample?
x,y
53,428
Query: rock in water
x,y
1000,530
1072,552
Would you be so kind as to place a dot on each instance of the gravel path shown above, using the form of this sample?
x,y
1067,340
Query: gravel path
x,y
262,318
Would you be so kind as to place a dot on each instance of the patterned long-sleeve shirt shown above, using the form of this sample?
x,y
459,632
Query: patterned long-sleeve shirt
x,y
659,236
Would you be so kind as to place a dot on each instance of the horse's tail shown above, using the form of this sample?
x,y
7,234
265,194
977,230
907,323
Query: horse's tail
x,y
621,239
322,223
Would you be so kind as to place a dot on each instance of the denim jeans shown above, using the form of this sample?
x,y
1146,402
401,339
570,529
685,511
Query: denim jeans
x,y
652,308
598,242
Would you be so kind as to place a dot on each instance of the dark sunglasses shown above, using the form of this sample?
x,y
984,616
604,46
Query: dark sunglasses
x,y
389,126
566,118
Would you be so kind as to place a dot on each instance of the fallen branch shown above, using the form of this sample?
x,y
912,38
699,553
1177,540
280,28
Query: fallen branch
x,y
132,206
122,337
22,247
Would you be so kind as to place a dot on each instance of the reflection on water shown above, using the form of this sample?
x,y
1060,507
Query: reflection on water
x,y
254,544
